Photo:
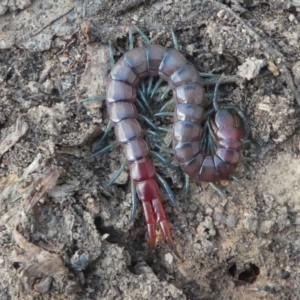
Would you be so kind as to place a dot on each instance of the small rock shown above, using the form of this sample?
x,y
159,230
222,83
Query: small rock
x,y
208,246
292,18
250,222
169,258
285,274
296,72
251,68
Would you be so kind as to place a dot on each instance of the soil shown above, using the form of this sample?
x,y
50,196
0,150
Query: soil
x,y
65,235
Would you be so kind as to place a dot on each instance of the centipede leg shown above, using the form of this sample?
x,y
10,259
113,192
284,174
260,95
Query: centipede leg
x,y
218,190
143,35
167,189
164,114
130,40
164,95
164,149
186,183
111,55
174,38
118,173
156,87
104,136
149,87
105,149
94,98
154,135
149,123
234,178
166,105
163,160
144,99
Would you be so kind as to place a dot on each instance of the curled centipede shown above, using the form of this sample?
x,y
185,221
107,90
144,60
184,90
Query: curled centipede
x,y
224,130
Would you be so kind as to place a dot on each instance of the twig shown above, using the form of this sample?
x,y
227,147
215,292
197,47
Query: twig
x,y
270,48
123,8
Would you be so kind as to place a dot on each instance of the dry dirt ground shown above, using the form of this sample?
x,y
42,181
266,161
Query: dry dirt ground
x,y
64,235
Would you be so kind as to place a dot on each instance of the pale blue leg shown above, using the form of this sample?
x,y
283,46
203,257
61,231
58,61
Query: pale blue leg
x,y
105,149
142,34
164,114
165,106
186,183
167,189
94,98
163,160
106,132
175,41
149,123
118,173
164,149
156,87
218,190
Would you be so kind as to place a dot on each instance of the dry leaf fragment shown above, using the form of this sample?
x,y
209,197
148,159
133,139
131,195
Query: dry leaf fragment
x,y
21,128
41,187
37,263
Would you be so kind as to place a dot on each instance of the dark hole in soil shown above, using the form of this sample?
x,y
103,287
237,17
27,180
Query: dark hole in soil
x,y
232,270
16,265
249,275
114,237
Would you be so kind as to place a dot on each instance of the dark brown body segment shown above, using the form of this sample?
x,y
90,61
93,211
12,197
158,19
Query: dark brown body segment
x,y
188,93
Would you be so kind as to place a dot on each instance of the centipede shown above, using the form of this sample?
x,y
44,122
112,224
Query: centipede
x,y
223,124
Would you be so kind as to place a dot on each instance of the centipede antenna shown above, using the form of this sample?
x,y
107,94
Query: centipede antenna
x,y
142,34
165,106
167,190
143,98
155,135
164,95
164,129
215,99
106,132
140,105
164,149
174,38
146,120
163,160
218,190
134,201
94,98
105,149
164,114
111,55
156,87
130,39
186,183
118,173
149,87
